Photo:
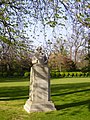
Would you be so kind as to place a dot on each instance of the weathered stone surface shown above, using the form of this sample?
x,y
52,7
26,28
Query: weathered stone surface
x,y
39,96
39,107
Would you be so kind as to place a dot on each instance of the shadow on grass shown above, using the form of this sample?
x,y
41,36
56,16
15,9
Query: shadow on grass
x,y
21,92
63,90
59,87
68,105
72,92
14,93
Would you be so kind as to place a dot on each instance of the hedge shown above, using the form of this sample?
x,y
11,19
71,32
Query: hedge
x,y
53,74
57,74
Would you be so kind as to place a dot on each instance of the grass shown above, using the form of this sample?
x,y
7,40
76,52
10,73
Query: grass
x,y
71,97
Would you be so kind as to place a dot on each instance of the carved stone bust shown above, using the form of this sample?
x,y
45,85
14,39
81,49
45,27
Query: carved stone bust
x,y
39,57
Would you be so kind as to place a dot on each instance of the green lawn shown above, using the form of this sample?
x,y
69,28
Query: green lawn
x,y
71,97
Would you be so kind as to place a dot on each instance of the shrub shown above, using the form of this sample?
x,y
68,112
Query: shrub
x,y
52,74
79,74
5,74
15,74
71,74
62,74
66,74
57,75
1,74
26,74
75,74
87,74
83,74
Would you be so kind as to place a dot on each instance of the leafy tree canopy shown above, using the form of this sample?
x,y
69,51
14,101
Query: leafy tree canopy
x,y
16,15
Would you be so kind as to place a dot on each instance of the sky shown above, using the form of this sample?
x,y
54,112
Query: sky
x,y
41,37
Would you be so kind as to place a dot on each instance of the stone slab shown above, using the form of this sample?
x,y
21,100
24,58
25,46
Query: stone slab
x,y
40,87
39,107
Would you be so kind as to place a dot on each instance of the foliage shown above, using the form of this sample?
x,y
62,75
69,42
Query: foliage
x,y
1,74
80,9
61,62
13,60
12,13
26,74
57,74
17,16
5,74
15,74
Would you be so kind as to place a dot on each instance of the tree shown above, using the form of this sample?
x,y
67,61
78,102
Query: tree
x,y
18,15
59,62
12,15
14,58
79,12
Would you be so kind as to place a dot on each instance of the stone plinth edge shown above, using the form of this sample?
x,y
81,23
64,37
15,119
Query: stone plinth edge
x,y
39,107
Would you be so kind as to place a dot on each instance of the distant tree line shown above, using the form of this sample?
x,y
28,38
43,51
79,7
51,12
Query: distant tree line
x,y
70,54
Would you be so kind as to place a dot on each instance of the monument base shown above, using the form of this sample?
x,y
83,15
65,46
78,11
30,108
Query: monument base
x,y
39,107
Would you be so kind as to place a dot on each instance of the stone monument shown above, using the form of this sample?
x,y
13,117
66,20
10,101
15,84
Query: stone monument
x,y
39,96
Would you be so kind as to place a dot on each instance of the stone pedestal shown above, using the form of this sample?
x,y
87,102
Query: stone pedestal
x,y
39,97
38,107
